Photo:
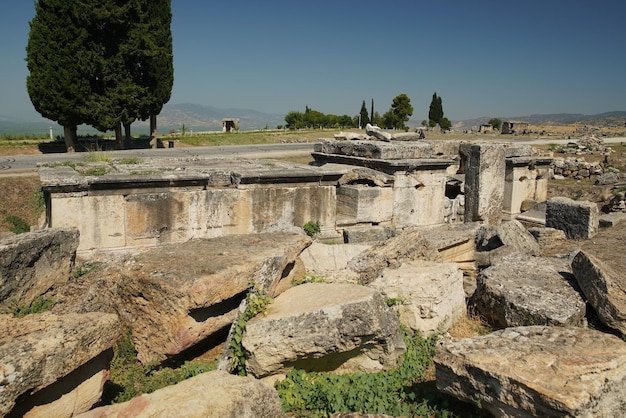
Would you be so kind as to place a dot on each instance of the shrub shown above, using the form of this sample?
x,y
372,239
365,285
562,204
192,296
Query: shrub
x,y
312,228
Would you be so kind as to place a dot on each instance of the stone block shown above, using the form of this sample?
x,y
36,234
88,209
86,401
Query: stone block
x,y
484,182
324,327
34,262
364,204
429,297
579,220
537,372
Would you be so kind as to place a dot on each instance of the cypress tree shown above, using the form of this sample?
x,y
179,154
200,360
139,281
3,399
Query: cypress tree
x,y
364,116
59,65
435,113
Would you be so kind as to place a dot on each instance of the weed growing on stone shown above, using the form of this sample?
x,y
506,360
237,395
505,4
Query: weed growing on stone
x,y
95,171
130,160
256,303
39,305
98,157
312,228
129,378
395,393
308,278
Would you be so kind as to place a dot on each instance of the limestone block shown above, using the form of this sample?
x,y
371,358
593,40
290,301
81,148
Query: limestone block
x,y
156,218
514,235
521,290
429,296
323,259
217,212
579,220
545,236
604,284
172,297
367,234
484,182
324,327
100,219
419,198
213,394
363,204
35,262
404,247
56,365
537,372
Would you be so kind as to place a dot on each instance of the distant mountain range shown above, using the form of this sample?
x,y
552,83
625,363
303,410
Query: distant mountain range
x,y
617,118
209,118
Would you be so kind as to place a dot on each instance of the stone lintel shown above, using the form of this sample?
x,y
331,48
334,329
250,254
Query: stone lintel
x,y
386,166
528,161
67,180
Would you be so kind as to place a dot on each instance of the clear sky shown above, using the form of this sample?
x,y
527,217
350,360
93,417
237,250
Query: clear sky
x,y
483,58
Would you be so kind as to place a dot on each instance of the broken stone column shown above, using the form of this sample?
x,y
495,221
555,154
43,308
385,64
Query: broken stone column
x,y
579,220
484,182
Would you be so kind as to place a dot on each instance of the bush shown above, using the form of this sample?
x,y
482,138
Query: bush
x,y
312,228
38,305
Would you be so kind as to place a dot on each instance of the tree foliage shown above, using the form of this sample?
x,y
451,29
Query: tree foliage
x,y
365,119
445,124
312,119
59,83
435,112
106,63
496,123
399,113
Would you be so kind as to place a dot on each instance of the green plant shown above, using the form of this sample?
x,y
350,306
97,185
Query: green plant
x,y
83,269
19,225
98,157
308,278
38,305
393,393
95,171
129,378
394,301
312,228
256,303
38,201
577,194
130,160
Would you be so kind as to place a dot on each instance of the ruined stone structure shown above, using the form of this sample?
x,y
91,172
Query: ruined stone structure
x,y
514,127
396,184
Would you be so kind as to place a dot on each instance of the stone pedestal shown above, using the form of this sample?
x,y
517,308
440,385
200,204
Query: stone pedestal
x,y
484,182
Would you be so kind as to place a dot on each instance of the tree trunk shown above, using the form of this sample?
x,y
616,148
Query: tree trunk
x,y
127,136
69,132
153,131
119,140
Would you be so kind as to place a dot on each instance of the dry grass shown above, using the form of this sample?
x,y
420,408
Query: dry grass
x,y
18,199
471,325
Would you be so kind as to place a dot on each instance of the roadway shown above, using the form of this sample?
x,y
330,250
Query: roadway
x,y
25,164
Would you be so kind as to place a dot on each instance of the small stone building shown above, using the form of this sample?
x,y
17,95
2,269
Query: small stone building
x,y
515,128
485,128
228,124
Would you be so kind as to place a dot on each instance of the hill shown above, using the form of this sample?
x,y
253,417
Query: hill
x,y
607,119
173,116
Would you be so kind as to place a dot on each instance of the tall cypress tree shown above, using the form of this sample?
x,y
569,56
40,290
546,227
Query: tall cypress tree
x,y
364,116
435,112
58,82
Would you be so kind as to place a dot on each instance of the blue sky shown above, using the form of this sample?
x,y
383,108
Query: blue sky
x,y
483,58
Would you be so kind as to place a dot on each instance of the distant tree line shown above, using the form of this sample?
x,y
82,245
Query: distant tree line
x,y
105,63
312,119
